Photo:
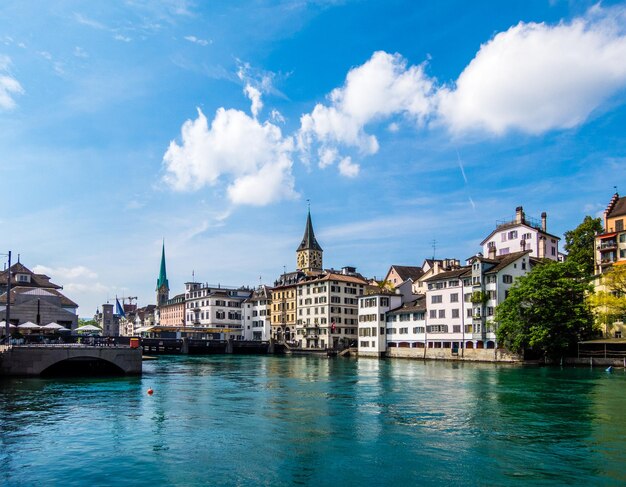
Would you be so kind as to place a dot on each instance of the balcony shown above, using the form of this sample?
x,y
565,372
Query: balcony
x,y
610,245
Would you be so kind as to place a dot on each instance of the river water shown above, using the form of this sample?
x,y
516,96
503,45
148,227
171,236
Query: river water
x,y
265,420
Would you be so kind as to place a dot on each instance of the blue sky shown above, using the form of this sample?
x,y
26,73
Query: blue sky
x,y
210,125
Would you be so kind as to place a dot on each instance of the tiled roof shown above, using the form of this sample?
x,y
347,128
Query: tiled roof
x,y
504,260
408,272
619,208
37,280
456,273
418,304
23,290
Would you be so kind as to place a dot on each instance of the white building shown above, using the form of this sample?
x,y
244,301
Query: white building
x,y
406,325
448,318
373,308
521,234
216,309
327,308
256,315
461,303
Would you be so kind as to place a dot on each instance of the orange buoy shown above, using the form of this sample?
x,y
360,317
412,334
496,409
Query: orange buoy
x,y
150,391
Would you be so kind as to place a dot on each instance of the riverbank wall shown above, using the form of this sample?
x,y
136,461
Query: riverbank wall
x,y
468,355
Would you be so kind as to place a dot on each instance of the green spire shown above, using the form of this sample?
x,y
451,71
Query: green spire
x,y
162,280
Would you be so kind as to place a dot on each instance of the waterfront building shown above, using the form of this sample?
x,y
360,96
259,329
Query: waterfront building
x,y
610,250
406,325
430,268
256,315
327,308
522,233
216,310
610,246
35,298
373,308
461,303
172,312
283,306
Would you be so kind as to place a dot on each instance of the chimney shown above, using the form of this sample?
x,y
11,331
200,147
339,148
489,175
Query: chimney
x,y
519,215
492,252
544,217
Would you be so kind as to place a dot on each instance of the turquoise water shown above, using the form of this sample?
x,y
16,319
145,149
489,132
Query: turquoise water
x,y
263,420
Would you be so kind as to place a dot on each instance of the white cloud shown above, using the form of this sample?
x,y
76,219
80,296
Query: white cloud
x,y
9,86
252,158
63,274
80,52
348,169
276,116
255,97
122,38
327,156
196,40
382,87
537,77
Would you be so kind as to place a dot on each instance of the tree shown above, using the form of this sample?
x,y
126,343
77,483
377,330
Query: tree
x,y
580,243
609,303
546,310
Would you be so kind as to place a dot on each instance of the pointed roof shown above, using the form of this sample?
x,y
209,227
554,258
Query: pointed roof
x,y
162,280
308,241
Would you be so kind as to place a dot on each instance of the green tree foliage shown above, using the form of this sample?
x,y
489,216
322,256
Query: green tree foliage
x,y
610,304
579,243
546,310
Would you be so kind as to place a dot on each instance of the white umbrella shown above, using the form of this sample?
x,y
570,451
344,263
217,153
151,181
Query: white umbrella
x,y
29,325
88,328
52,326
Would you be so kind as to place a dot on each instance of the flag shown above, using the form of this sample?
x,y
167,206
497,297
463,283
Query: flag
x,y
118,308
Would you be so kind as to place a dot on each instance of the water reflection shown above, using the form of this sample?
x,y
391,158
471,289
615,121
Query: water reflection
x,y
316,421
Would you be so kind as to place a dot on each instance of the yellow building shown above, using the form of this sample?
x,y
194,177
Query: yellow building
x,y
610,250
283,307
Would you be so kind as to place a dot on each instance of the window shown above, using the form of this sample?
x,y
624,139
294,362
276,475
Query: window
x,y
512,234
437,329
527,236
553,251
503,237
469,312
442,313
507,279
455,313
454,298
456,329
504,251
622,238
619,225
437,298
467,297
433,313
418,329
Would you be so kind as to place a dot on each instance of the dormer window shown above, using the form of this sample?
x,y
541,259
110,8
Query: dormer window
x,y
22,278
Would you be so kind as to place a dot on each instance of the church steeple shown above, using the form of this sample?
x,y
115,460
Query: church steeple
x,y
163,286
309,253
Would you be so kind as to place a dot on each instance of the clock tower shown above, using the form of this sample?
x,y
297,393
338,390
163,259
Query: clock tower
x,y
309,253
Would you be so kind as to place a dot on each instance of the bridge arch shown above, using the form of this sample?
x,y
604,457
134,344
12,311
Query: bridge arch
x,y
81,366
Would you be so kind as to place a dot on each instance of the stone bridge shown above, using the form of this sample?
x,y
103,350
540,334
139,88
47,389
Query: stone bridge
x,y
35,360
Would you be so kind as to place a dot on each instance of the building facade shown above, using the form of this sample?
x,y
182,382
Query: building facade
x,y
35,298
257,315
521,234
327,309
215,309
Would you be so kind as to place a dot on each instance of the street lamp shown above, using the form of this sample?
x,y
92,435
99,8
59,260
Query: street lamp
x,y
7,316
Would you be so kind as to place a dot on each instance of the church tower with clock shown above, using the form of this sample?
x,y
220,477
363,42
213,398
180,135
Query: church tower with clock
x,y
309,253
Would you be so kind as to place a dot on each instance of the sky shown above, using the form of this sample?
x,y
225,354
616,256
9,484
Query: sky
x,y
409,128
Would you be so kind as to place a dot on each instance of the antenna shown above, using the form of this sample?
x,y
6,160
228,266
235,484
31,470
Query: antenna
x,y
434,243
308,204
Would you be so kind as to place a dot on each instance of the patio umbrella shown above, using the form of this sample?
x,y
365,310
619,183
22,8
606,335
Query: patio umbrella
x,y
29,325
52,326
88,329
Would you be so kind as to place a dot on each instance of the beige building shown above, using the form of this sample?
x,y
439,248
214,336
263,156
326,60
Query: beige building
x,y
328,309
172,312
